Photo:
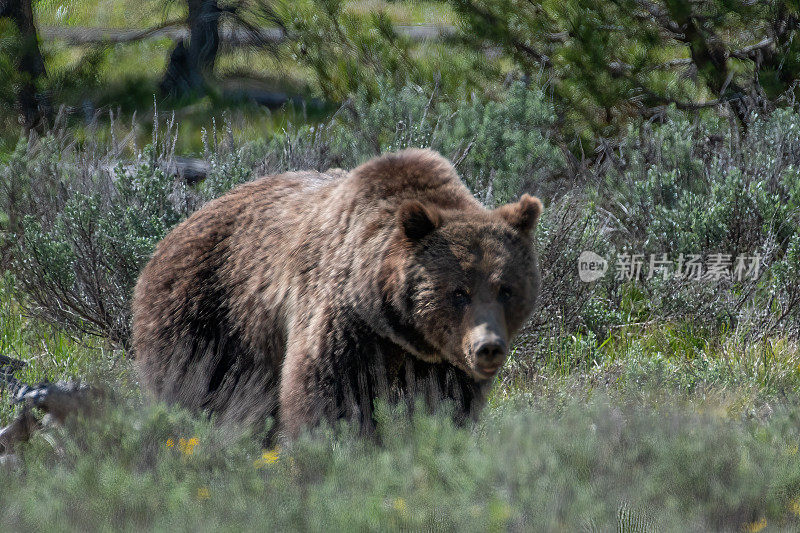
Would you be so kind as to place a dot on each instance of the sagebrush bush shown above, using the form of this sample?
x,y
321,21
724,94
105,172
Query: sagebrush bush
x,y
81,231
500,148
82,223
528,466
695,187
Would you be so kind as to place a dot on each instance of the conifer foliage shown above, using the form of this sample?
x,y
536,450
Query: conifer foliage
x,y
609,60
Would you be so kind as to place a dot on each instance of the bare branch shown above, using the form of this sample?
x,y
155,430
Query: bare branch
x,y
679,62
748,51
79,36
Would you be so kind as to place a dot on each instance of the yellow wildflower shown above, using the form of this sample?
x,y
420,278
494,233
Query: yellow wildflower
x,y
268,457
399,505
754,527
186,446
170,443
203,493
792,449
794,506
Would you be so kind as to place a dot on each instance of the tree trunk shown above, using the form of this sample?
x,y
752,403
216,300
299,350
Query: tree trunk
x,y
189,67
33,106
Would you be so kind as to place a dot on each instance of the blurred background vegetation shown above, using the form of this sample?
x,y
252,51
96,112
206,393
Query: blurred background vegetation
x,y
603,64
646,127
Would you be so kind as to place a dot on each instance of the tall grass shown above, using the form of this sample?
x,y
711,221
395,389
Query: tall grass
x,y
667,428
529,465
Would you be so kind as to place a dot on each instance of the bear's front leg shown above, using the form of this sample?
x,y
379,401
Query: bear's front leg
x,y
332,371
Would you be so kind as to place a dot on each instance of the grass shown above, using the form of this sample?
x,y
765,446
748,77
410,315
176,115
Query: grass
x,y
666,426
106,13
406,12
675,357
129,14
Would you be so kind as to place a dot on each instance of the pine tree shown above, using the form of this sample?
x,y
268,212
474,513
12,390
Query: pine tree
x,y
32,103
608,60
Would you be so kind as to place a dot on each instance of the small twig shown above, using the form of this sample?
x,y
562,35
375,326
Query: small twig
x,y
464,155
644,324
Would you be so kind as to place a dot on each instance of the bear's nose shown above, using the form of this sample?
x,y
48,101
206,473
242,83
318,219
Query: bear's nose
x,y
491,351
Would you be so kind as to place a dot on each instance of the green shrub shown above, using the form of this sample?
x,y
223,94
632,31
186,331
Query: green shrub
x,y
83,225
697,188
530,466
83,232
501,148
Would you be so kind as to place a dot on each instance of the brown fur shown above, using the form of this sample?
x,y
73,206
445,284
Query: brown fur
x,y
305,296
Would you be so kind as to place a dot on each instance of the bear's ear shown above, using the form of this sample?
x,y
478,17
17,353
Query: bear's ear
x,y
418,220
522,215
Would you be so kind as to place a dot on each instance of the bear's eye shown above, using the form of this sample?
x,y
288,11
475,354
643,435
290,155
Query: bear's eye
x,y
505,293
460,297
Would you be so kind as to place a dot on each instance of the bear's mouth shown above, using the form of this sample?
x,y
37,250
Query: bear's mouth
x,y
487,371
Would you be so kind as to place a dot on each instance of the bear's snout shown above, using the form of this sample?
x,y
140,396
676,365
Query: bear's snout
x,y
487,340
489,350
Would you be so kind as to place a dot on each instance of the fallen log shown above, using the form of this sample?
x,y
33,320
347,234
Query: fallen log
x,y
231,36
55,401
188,169
8,366
20,430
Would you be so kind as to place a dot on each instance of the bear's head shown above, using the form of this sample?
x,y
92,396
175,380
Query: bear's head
x,y
464,281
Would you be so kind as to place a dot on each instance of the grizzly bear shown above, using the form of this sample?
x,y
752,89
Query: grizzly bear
x,y
306,296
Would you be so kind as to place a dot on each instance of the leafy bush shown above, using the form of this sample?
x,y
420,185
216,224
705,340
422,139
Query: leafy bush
x,y
698,188
530,465
83,231
501,148
82,225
